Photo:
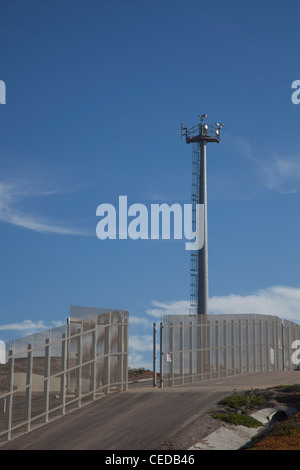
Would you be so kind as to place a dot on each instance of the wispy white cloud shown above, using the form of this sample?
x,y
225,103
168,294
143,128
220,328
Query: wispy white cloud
x,y
176,307
280,301
283,174
140,321
28,327
276,172
141,343
12,196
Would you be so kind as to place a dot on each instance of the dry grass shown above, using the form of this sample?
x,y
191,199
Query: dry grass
x,y
283,436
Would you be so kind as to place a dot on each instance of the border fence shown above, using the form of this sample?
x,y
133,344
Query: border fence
x,y
203,347
51,373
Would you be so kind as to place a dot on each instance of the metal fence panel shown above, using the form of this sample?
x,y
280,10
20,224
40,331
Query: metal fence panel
x,y
209,346
53,372
292,344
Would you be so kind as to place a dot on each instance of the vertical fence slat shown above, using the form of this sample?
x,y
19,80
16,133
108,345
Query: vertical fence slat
x,y
181,352
232,347
63,379
28,387
47,379
154,354
225,350
120,350
247,346
10,379
171,354
94,363
217,364
79,366
240,346
107,352
161,357
191,366
125,354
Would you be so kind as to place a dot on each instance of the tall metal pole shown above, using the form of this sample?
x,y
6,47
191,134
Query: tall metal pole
x,y
200,134
202,308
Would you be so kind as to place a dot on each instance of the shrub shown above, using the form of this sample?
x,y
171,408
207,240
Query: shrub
x,y
238,419
249,400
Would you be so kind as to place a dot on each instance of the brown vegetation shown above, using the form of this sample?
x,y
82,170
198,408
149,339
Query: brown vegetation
x,y
282,436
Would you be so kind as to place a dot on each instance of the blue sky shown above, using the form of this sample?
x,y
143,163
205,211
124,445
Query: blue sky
x,y
95,95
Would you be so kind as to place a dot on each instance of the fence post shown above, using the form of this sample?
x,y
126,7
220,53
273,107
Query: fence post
x,y
79,366
207,347
254,345
154,354
28,386
120,351
240,346
63,372
233,371
264,352
181,353
11,363
225,347
274,343
94,363
161,372
191,365
46,378
125,352
107,352
199,348
283,344
171,352
217,366
247,346
68,362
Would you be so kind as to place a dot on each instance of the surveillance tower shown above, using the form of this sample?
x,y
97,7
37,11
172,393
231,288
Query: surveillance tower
x,y
199,135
